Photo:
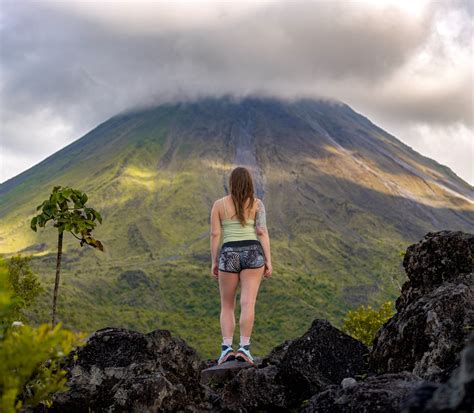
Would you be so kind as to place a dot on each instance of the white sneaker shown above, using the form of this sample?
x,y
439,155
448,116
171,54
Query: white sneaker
x,y
243,354
227,354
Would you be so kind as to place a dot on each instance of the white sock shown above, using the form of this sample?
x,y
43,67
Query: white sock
x,y
227,341
244,340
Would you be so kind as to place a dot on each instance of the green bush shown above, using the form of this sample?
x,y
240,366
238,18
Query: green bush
x,y
364,322
25,284
29,357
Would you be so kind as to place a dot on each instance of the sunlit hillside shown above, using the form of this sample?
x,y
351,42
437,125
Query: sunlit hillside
x,y
344,198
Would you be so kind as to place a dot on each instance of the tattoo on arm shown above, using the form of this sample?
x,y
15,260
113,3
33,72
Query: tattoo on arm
x,y
260,218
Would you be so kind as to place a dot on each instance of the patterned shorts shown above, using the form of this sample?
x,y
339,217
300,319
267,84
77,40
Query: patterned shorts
x,y
236,256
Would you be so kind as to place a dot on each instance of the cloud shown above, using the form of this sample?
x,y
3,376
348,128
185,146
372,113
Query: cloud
x,y
453,143
68,66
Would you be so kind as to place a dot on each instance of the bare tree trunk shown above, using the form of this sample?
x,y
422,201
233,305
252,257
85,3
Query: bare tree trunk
x,y
56,282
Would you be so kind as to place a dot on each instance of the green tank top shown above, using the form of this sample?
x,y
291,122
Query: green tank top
x,y
234,231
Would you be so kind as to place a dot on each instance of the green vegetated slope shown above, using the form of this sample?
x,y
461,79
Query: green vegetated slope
x,y
343,197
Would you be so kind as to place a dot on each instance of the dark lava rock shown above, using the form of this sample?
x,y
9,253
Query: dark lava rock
x,y
324,355
276,354
440,257
293,371
382,393
435,311
222,373
255,389
456,395
123,370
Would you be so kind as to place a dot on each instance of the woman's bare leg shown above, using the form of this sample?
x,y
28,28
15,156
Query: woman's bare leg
x,y
250,280
228,282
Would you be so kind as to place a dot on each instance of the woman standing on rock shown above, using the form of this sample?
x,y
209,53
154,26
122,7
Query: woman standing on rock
x,y
244,255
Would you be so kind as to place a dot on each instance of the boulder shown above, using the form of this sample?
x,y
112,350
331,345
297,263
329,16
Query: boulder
x,y
123,370
435,311
382,393
322,356
438,258
456,395
292,371
255,389
275,356
218,374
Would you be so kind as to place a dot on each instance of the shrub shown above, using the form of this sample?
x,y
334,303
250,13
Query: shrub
x,y
25,284
364,322
29,357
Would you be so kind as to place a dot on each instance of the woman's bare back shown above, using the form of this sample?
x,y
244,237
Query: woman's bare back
x,y
231,212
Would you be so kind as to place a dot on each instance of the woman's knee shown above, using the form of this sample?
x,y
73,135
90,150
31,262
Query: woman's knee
x,y
247,304
228,305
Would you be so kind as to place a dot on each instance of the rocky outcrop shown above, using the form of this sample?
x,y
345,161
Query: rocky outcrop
x,y
382,393
216,374
256,389
324,355
439,258
297,369
435,311
456,395
422,359
123,370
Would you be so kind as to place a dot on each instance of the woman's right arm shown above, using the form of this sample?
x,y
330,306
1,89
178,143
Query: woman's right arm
x,y
262,232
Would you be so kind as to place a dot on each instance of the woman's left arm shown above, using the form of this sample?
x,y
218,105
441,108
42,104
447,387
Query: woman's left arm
x,y
215,232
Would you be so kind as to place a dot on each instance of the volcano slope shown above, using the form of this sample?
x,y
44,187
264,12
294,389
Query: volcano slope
x,y
344,199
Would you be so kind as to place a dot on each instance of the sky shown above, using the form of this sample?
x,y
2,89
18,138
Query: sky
x,y
67,66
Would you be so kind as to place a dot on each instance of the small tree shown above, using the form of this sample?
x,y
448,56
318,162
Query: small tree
x,y
78,219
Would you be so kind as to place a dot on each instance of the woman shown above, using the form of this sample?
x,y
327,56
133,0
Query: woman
x,y
244,256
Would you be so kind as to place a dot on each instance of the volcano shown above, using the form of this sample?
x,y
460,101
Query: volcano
x,y
344,198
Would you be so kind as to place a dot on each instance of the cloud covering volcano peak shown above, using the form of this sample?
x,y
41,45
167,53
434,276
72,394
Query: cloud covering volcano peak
x,y
68,66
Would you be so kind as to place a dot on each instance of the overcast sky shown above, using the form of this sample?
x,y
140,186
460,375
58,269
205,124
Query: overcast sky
x,y
67,66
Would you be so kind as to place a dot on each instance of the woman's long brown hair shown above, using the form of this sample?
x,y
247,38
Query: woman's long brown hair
x,y
241,189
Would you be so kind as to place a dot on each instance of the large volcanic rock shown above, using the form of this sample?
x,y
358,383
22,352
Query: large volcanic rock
x,y
296,369
439,258
456,395
403,392
435,311
382,393
324,355
256,389
123,370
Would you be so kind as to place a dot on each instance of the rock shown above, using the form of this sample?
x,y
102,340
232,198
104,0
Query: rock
x,y
238,386
440,257
434,312
219,374
295,369
456,395
348,382
123,370
382,393
324,355
255,389
276,354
